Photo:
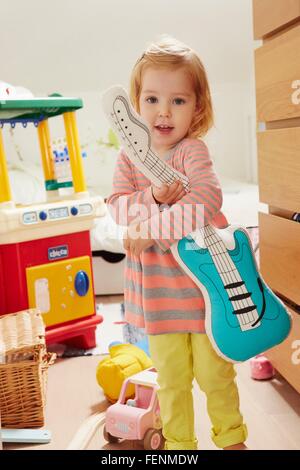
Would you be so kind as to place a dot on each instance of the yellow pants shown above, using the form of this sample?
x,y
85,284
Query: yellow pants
x,y
179,358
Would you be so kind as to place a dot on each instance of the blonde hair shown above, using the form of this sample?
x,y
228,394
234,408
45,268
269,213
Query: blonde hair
x,y
170,53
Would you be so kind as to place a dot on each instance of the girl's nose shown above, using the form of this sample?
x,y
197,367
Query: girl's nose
x,y
164,111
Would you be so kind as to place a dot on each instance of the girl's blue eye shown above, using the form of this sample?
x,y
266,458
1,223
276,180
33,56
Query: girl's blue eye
x,y
179,101
151,99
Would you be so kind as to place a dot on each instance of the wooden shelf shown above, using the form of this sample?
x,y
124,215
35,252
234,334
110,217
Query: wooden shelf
x,y
276,72
286,357
279,168
280,255
272,15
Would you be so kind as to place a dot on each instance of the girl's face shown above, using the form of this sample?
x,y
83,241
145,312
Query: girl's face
x,y
168,105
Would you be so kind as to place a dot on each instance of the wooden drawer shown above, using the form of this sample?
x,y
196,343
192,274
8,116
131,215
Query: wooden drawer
x,y
279,250
286,357
279,168
271,15
277,71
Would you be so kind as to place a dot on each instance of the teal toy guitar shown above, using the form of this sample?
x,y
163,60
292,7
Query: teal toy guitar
x,y
243,317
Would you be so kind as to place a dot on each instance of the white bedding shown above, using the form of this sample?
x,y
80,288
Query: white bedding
x,y
107,235
241,202
27,184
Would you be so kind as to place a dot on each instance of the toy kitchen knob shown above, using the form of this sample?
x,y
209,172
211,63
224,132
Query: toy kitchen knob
x,y
74,210
82,283
43,215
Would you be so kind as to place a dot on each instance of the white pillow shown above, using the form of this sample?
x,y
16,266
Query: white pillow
x,y
27,187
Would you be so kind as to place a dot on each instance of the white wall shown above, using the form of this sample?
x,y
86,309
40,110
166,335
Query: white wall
x,y
232,140
82,47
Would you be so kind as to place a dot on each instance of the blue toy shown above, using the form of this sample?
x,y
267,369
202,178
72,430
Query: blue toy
x,y
142,344
243,316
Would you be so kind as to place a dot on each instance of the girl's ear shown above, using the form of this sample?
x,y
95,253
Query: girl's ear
x,y
197,107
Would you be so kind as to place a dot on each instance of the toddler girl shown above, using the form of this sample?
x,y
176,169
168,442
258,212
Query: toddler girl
x,y
169,89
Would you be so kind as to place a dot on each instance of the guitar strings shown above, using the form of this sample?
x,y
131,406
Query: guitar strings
x,y
171,175
231,272
228,274
151,161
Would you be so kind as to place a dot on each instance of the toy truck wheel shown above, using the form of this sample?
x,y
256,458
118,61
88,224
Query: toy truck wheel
x,y
109,437
153,439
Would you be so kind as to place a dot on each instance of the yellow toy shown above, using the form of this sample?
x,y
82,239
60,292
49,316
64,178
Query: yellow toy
x,y
123,361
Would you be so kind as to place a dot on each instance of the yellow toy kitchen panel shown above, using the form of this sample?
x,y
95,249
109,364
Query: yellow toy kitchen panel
x,y
61,290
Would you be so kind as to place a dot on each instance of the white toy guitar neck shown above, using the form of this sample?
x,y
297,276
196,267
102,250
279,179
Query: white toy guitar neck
x,y
135,135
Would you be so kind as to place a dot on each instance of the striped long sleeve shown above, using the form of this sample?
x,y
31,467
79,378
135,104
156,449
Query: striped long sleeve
x,y
128,202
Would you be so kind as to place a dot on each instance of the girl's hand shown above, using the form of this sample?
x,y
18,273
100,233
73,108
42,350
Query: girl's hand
x,y
134,242
168,194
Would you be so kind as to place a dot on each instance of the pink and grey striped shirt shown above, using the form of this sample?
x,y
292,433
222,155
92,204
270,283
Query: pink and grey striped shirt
x,y
158,295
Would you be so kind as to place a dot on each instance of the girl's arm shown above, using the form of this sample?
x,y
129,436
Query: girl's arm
x,y
126,204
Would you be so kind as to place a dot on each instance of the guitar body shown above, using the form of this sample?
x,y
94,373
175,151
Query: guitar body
x,y
222,325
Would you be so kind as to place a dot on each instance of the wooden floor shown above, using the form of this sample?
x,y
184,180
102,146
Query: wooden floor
x,y
271,410
76,406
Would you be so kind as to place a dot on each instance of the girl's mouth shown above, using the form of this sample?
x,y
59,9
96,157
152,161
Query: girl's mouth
x,y
165,130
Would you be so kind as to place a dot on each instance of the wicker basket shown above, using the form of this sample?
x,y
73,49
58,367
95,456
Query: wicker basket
x,y
24,363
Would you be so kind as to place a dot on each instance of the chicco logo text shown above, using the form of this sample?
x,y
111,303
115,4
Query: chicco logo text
x,y
58,252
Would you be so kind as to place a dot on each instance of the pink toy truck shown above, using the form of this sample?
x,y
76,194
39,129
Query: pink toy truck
x,y
137,418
